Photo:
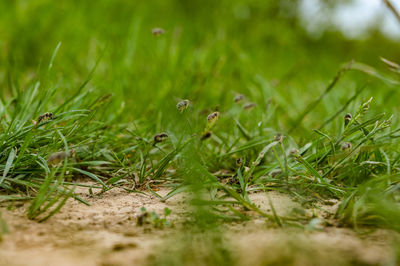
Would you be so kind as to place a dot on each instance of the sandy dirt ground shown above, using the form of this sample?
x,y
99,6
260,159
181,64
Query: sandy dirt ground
x,y
107,233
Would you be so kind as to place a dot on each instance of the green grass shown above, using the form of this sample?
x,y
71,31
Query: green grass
x,y
111,86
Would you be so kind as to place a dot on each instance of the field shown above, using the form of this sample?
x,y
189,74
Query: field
x,y
195,133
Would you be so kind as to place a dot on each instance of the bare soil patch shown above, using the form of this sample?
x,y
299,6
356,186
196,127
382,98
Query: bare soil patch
x,y
107,233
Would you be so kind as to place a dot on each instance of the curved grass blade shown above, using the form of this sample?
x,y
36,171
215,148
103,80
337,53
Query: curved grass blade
x,y
9,164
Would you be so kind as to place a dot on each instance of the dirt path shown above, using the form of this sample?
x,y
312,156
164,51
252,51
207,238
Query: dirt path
x,y
107,233
84,235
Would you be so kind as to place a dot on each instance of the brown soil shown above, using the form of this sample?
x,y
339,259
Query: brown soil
x,y
107,233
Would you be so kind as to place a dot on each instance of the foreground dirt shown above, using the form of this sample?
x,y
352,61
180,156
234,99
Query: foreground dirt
x,y
107,233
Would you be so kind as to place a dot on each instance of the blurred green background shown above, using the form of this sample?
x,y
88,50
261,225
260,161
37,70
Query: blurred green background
x,y
210,51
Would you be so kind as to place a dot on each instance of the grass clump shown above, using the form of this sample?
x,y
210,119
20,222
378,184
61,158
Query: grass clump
x,y
135,105
227,154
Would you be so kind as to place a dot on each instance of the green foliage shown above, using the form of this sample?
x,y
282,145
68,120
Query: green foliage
x,y
49,195
373,203
154,219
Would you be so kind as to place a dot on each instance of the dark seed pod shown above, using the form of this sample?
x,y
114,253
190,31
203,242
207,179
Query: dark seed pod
x,y
211,118
278,137
294,152
346,146
160,137
45,117
182,105
232,181
238,98
239,161
275,173
157,31
347,119
249,106
206,135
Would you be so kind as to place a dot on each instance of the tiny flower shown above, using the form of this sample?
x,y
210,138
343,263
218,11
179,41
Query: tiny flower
x,y
249,106
34,122
160,137
347,119
238,98
346,146
157,31
212,119
182,105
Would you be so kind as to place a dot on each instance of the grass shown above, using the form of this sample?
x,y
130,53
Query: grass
x,y
92,93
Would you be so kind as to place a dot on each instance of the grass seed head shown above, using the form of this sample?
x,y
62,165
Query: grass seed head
x,y
238,98
212,119
388,122
366,105
182,105
294,152
278,137
45,117
233,181
206,135
346,146
160,137
249,106
347,119
157,31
